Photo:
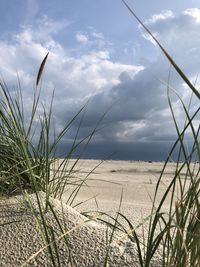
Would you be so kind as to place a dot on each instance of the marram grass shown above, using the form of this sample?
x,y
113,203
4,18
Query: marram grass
x,y
28,162
175,232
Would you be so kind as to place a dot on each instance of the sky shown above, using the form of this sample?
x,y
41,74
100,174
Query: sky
x,y
101,58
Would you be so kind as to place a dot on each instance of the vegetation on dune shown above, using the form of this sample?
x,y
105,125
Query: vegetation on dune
x,y
28,145
28,162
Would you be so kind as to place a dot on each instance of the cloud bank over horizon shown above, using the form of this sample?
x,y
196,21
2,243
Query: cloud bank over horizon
x,y
138,124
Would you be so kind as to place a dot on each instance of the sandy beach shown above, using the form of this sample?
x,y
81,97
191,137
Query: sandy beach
x,y
104,186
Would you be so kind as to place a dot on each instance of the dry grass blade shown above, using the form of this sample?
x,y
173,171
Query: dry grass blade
x,y
41,69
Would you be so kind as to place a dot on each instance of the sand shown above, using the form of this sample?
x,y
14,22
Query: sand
x,y
137,179
88,244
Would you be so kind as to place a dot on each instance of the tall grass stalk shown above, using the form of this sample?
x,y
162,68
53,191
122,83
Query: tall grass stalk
x,y
28,157
176,233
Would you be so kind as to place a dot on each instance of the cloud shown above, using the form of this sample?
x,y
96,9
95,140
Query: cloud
x,y
164,15
194,13
141,111
138,117
91,40
76,79
179,34
82,38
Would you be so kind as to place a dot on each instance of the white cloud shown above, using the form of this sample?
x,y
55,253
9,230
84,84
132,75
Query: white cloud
x,y
92,40
180,36
96,34
164,15
75,78
42,32
194,13
82,38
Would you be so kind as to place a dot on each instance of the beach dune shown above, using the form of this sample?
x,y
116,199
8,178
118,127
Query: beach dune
x,y
90,243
